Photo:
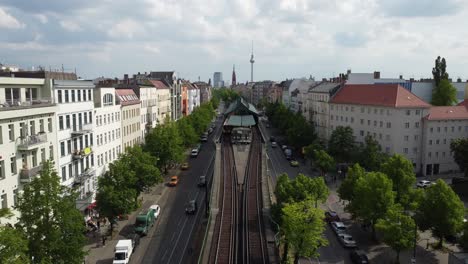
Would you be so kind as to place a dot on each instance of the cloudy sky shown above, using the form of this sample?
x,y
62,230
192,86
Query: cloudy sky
x,y
292,38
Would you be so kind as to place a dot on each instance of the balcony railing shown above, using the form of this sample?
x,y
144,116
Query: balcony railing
x,y
11,104
80,178
32,142
81,153
82,129
27,174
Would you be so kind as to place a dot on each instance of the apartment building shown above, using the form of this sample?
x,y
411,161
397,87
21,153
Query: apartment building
x,y
108,135
75,138
205,91
163,101
148,96
27,135
388,112
317,107
193,98
170,80
130,117
184,94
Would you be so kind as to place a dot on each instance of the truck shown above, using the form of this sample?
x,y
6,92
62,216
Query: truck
x,y
123,251
144,221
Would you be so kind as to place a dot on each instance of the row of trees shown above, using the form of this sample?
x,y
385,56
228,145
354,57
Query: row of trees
x,y
443,93
386,200
224,94
298,215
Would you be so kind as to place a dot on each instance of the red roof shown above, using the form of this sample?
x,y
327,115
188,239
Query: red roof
x,y
390,95
447,112
127,97
464,103
159,84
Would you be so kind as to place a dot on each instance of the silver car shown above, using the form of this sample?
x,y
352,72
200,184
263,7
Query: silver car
x,y
347,240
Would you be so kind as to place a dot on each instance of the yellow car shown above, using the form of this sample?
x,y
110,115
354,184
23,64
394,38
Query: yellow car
x,y
184,166
294,163
174,181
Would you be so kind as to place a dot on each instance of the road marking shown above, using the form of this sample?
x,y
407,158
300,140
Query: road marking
x,y
190,233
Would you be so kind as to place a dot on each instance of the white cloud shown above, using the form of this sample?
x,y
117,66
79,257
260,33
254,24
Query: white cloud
x,y
42,18
8,21
152,48
70,26
127,28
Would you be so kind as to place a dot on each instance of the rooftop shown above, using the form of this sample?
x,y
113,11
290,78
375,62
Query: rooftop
x,y
389,95
127,97
237,120
158,84
459,112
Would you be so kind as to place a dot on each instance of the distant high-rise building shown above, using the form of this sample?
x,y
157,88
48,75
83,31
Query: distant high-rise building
x,y
218,80
234,82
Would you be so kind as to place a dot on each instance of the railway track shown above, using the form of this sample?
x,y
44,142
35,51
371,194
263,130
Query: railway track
x,y
239,233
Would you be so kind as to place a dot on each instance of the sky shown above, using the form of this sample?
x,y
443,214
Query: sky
x,y
292,38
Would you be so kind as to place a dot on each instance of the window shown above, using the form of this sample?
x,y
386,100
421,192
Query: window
x,y
387,149
43,156
2,169
1,135
13,165
430,142
438,129
78,93
381,123
415,150
416,137
15,197
417,112
387,137
437,141
69,146
51,152
362,121
406,138
64,173
375,123
389,125
89,95
66,96
361,133
107,99
49,124
445,141
453,129
431,129
73,95
11,132
429,154
34,158
85,117
84,96
445,129
443,154
408,112
67,122
352,119
416,125
62,148
59,95
368,122
407,125
90,117
61,122
41,125
405,150
4,201
70,171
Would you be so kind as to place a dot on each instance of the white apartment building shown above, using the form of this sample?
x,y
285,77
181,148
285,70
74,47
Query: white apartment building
x,y
193,98
148,108
164,101
130,117
388,112
107,132
75,137
27,135
442,125
317,107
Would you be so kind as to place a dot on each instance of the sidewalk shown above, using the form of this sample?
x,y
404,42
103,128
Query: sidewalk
x,y
97,253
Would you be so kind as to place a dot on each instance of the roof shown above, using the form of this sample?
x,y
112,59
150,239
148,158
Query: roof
x,y
158,84
324,87
302,85
127,97
164,75
458,112
237,120
389,95
241,103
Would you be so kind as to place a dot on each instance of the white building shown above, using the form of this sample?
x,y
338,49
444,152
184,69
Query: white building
x,y
130,117
293,93
193,98
164,101
27,134
107,128
75,137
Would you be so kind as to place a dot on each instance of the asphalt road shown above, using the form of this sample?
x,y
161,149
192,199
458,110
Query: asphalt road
x,y
171,242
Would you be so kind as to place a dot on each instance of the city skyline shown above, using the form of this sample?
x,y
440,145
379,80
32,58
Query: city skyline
x,y
292,38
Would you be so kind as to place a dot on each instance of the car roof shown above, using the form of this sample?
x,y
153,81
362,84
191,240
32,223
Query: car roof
x,y
339,224
174,177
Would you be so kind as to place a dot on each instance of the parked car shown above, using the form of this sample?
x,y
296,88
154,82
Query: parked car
x,y
184,166
273,144
204,139
191,207
347,240
359,257
174,181
338,227
294,163
156,210
424,184
288,153
332,216
272,139
283,147
201,181
194,153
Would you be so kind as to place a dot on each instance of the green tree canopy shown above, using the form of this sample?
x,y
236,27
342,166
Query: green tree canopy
x,y
50,222
370,156
441,211
13,244
341,144
324,161
439,71
303,228
397,230
373,197
284,190
459,147
348,186
444,94
400,170
187,132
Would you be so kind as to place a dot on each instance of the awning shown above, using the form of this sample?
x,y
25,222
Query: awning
x,y
92,205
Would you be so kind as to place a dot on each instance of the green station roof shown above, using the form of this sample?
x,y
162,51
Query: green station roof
x,y
241,106
241,121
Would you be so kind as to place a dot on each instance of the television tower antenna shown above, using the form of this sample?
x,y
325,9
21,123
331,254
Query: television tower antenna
x,y
252,61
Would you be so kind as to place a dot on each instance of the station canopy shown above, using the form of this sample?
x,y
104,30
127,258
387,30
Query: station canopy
x,y
240,121
241,107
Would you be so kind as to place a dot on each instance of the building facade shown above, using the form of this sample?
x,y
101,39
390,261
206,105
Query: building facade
x,y
170,80
218,80
193,94
130,115
164,101
28,135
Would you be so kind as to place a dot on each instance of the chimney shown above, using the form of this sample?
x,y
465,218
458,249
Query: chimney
x,y
411,79
125,77
348,71
459,80
324,79
376,75
401,77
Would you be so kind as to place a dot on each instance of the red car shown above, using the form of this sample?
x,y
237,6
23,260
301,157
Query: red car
x,y
332,216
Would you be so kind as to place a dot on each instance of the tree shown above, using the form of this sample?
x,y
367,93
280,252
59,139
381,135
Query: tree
x,y
348,186
13,244
440,211
397,230
303,228
324,161
459,147
187,132
303,187
370,155
439,71
165,143
49,220
114,196
400,170
284,189
300,133
341,145
146,174
373,197
444,94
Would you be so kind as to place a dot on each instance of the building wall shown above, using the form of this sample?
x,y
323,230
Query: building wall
x,y
164,105
193,99
319,113
131,125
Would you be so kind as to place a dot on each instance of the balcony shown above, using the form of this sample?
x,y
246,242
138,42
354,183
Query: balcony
x,y
88,173
32,142
15,104
85,198
27,174
79,154
79,130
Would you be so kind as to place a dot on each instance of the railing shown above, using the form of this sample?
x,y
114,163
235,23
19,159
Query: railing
x,y
79,154
9,104
27,174
82,129
26,143
84,175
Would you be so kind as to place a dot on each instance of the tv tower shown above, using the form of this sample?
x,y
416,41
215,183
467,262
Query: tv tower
x,y
252,61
